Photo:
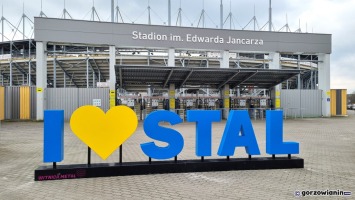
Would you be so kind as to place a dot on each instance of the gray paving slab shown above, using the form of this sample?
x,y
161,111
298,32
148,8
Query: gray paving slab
x,y
327,146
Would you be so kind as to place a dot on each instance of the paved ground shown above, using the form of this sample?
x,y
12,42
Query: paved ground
x,y
327,146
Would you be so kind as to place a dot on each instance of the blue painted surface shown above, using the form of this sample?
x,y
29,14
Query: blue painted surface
x,y
274,135
53,136
174,140
203,121
238,132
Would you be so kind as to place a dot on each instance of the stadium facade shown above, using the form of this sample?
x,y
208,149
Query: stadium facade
x,y
70,63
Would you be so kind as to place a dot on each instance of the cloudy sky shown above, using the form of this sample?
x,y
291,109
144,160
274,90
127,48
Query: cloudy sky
x,y
319,16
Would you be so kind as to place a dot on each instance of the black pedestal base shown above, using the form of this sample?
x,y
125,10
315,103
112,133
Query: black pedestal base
x,y
162,167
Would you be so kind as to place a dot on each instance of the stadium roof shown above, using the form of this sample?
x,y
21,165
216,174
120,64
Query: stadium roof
x,y
128,76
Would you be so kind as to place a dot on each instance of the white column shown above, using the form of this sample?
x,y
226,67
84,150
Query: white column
x,y
11,64
225,91
324,82
87,73
224,59
54,67
112,50
275,64
41,77
171,58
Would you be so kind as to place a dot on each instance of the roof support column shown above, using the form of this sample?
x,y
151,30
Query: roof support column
x,y
112,50
172,97
29,63
41,77
54,67
87,69
276,91
11,64
225,91
324,82
171,58
226,101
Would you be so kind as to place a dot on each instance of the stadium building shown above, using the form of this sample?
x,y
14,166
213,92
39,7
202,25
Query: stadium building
x,y
69,63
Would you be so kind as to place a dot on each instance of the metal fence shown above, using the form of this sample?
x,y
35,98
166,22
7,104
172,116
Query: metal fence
x,y
69,99
295,103
301,103
20,102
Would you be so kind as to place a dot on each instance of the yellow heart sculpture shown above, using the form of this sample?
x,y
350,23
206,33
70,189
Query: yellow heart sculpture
x,y
103,133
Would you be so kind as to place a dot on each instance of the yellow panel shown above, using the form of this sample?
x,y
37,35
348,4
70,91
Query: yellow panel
x,y
333,102
25,99
328,93
39,89
344,102
226,103
112,98
2,103
172,103
277,103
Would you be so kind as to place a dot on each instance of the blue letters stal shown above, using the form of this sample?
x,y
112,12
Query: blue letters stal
x,y
172,137
238,122
274,135
203,121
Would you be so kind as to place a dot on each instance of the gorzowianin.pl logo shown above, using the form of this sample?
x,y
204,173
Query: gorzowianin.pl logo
x,y
304,193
